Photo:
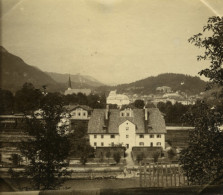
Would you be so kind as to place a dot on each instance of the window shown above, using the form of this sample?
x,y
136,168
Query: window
x,y
141,136
158,136
151,144
127,114
84,114
141,143
102,143
127,136
158,143
79,113
112,136
95,143
122,114
127,128
95,136
151,136
102,136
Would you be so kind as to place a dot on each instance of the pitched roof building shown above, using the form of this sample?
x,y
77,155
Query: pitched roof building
x,y
130,127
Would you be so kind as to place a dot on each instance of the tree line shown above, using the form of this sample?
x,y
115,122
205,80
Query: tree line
x,y
28,98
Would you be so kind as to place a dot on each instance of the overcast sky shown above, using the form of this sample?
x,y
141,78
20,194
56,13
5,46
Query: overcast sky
x,y
115,41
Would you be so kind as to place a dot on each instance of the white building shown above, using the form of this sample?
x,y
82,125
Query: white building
x,y
119,99
129,127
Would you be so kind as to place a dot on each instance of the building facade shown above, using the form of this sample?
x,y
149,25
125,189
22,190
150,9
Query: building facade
x,y
127,127
119,99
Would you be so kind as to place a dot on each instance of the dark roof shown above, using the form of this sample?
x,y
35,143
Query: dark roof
x,y
98,124
73,107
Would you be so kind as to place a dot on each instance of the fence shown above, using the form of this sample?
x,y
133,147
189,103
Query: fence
x,y
162,175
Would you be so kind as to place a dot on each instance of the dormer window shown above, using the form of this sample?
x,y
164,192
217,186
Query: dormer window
x,y
127,114
122,114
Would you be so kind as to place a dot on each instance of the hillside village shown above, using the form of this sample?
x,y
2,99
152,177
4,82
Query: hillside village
x,y
111,97
134,131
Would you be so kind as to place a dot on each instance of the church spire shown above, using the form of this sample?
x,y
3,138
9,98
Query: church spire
x,y
69,83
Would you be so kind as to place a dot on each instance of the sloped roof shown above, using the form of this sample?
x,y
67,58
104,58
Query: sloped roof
x,y
97,122
156,121
73,107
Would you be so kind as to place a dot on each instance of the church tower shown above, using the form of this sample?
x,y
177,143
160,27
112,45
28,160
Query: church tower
x,y
69,83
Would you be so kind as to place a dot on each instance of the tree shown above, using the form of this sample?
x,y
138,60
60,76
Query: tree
x,y
212,43
140,157
117,157
171,153
108,155
203,158
47,148
27,99
7,102
155,156
86,151
139,104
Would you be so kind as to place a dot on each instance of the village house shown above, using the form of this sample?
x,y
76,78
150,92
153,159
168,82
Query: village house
x,y
129,127
77,115
119,99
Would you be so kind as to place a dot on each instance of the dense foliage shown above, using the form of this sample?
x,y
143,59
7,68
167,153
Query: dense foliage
x,y
47,148
173,112
28,99
203,158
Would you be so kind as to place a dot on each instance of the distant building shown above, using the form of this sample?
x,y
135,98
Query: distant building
x,y
173,95
129,127
119,99
77,115
70,91
164,89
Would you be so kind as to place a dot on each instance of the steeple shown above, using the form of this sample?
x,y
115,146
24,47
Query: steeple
x,y
69,83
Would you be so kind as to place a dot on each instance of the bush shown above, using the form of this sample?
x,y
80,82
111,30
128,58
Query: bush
x,y
155,156
117,157
171,154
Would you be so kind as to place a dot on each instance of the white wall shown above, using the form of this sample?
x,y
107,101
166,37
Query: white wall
x,y
79,113
147,140
106,140
127,134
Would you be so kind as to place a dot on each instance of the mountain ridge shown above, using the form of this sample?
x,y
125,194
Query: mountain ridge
x,y
178,82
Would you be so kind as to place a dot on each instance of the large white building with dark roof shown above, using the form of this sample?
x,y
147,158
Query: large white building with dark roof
x,y
129,127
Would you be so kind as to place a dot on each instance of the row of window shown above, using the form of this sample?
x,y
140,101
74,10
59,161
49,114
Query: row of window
x,y
102,136
78,114
151,144
151,136
140,143
127,136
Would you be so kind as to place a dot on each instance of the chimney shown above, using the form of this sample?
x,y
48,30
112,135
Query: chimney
x,y
106,112
146,114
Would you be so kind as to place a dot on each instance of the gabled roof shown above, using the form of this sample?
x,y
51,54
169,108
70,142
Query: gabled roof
x,y
73,107
98,123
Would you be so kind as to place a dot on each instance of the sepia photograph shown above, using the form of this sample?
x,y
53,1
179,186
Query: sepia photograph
x,y
111,97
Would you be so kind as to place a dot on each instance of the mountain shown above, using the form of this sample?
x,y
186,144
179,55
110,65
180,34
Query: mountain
x,y
185,83
15,72
77,80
